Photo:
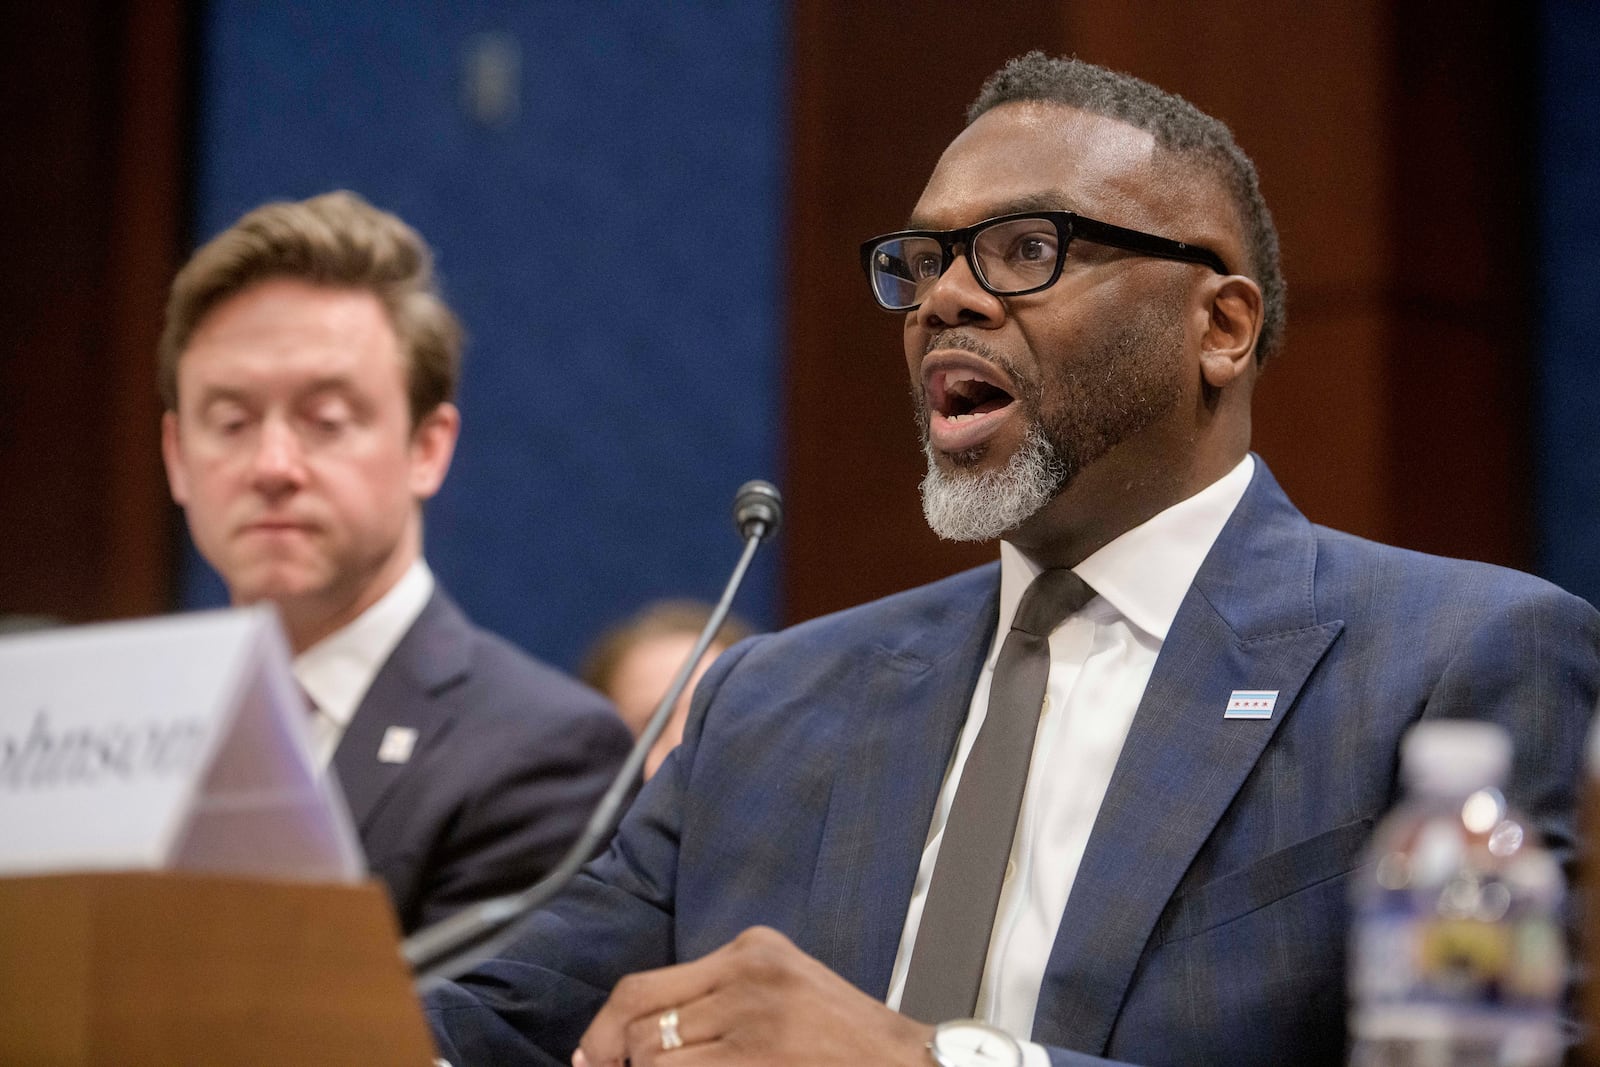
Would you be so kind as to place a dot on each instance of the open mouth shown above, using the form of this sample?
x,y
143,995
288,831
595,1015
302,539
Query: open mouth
x,y
968,402
964,397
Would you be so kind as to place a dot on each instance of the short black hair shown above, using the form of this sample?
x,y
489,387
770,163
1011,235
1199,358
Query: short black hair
x,y
1178,127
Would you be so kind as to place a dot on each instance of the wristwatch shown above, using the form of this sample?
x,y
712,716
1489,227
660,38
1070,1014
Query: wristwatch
x,y
970,1043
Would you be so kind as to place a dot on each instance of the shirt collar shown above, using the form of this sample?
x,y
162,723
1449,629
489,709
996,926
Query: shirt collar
x,y
1143,573
337,671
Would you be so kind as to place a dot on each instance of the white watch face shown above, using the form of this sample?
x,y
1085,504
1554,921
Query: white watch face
x,y
975,1044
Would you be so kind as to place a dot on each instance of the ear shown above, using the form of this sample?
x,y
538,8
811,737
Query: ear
x,y
172,456
433,444
1228,343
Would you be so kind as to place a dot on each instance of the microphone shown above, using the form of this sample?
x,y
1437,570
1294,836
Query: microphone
x,y
454,944
757,510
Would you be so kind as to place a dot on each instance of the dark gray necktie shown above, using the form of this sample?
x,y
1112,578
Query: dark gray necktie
x,y
958,915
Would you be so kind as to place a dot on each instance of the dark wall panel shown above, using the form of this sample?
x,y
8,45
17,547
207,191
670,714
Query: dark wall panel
x,y
1569,285
91,116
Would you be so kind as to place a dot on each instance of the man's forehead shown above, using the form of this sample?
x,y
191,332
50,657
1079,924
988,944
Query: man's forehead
x,y
290,337
288,306
1029,155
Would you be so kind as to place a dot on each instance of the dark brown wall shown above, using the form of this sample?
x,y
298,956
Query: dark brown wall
x,y
1386,143
90,212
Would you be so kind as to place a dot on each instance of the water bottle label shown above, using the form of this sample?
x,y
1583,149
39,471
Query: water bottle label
x,y
1427,959
1384,962
1462,958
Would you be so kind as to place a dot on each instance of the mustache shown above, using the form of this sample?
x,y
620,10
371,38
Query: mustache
x,y
965,342
1029,389
1029,395
961,341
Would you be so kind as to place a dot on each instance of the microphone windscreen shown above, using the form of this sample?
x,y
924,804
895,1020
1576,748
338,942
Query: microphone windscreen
x,y
757,509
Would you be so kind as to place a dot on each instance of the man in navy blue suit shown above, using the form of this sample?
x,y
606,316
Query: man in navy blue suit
x,y
308,369
1090,285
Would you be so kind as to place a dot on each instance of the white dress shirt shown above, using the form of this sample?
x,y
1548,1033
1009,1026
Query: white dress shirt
x,y
1100,662
337,671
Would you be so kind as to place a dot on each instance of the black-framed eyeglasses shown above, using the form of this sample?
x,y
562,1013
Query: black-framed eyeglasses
x,y
1009,255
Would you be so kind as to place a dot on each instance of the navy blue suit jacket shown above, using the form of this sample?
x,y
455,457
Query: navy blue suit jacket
x,y
509,759
1208,921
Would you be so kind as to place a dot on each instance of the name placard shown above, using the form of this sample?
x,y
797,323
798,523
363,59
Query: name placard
x,y
173,743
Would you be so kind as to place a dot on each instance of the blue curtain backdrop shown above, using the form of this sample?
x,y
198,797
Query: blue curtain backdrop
x,y
1568,183
608,215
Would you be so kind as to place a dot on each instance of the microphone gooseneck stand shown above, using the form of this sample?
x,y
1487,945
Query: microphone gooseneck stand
x,y
453,945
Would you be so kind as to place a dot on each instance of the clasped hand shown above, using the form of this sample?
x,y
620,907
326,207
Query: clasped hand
x,y
756,1000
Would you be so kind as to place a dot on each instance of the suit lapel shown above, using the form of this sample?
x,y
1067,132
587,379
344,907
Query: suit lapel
x,y
913,699
408,693
1247,623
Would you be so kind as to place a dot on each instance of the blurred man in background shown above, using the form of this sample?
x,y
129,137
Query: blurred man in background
x,y
635,662
308,368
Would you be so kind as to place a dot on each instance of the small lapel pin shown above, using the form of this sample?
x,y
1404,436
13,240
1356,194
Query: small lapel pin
x,y
398,741
1251,704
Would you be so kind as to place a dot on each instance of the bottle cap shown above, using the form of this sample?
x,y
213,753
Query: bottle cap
x,y
1455,755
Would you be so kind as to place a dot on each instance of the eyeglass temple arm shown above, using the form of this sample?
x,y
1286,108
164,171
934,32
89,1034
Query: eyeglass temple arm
x,y
1106,233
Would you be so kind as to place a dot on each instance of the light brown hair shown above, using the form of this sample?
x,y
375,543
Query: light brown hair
x,y
336,240
661,618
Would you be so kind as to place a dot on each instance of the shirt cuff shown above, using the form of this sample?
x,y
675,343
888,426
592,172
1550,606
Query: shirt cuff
x,y
1034,1055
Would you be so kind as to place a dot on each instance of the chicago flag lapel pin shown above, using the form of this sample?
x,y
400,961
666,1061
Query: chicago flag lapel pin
x,y
1251,704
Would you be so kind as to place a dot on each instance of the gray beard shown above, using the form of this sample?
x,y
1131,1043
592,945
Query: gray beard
x,y
962,506
1119,384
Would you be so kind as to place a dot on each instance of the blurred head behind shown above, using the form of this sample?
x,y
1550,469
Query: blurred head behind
x,y
635,661
307,368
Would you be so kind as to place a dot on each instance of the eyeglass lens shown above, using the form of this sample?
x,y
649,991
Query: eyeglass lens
x,y
1011,257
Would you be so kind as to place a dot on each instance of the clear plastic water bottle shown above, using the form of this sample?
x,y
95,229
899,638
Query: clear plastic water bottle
x,y
1457,955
